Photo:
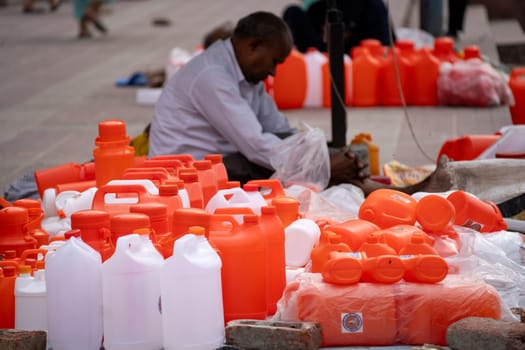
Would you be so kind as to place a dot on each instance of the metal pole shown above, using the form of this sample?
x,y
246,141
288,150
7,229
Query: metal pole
x,y
335,28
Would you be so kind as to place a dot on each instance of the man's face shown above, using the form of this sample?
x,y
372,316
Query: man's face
x,y
262,58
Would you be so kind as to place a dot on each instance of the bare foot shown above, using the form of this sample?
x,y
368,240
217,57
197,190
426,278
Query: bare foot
x,y
438,181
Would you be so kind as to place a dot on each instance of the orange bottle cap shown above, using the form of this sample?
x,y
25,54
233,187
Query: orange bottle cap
x,y
128,222
202,164
24,269
197,230
111,131
214,158
169,189
72,233
9,271
13,216
90,219
250,187
9,254
155,211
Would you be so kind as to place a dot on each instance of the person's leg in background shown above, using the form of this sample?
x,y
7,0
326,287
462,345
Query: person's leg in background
x,y
303,31
456,16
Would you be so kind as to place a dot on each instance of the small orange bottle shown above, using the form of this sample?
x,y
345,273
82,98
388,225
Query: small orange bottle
x,y
422,263
426,72
373,150
113,154
480,215
380,262
386,208
390,94
435,213
321,253
8,274
365,76
353,232
342,268
287,209
289,82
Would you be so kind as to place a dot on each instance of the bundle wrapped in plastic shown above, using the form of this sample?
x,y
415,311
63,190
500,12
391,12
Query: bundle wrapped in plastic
x,y
386,314
472,83
302,158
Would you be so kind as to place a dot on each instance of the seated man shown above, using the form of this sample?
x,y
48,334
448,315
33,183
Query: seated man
x,y
217,103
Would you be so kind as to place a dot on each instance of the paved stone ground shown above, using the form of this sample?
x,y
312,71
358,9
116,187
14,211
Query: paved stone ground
x,y
55,88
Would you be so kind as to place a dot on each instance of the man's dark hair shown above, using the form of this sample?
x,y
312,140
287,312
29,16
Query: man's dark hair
x,y
261,25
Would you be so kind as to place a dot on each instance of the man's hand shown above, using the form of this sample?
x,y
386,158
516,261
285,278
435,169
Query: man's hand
x,y
346,167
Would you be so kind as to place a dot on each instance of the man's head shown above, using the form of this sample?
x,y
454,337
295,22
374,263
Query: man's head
x,y
261,41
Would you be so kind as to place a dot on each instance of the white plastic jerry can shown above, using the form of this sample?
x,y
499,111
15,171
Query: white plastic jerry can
x,y
192,309
131,295
74,296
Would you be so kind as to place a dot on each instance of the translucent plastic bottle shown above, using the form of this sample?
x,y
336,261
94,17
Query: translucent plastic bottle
x,y
113,154
301,236
30,300
237,197
191,292
74,296
131,295
314,60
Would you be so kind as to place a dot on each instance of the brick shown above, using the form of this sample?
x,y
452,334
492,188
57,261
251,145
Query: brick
x,y
12,339
474,333
270,335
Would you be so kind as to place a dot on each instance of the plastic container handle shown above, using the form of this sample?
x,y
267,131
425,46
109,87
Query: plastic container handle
x,y
100,195
218,220
274,185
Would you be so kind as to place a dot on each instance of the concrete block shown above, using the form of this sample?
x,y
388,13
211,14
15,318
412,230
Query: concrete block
x,y
269,335
474,333
12,339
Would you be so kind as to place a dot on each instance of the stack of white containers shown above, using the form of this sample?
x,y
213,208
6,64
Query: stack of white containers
x,y
135,299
